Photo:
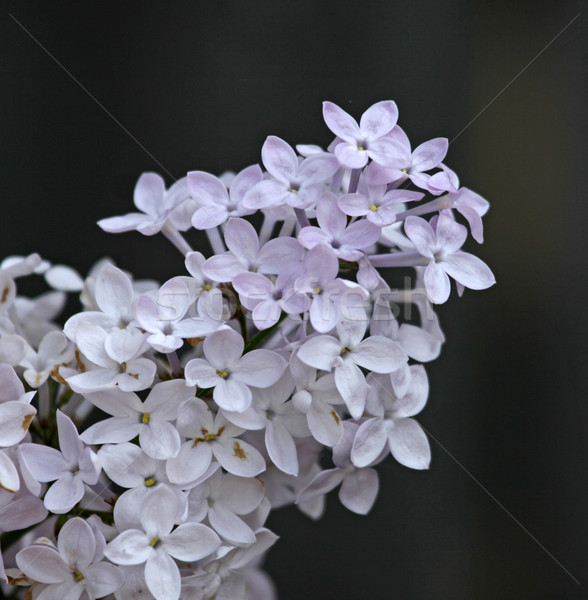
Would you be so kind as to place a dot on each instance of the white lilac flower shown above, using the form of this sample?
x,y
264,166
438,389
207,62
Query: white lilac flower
x,y
231,373
245,254
117,359
18,511
273,411
210,437
297,184
392,425
347,354
150,420
216,203
16,412
69,569
223,578
359,486
315,398
71,468
359,143
159,207
156,545
329,295
222,499
54,350
129,467
441,246
267,299
346,240
407,164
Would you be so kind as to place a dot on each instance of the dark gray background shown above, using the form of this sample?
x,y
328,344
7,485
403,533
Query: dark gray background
x,y
201,86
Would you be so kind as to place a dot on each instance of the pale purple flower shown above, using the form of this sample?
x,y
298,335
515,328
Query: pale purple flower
x,y
166,319
407,164
330,296
156,545
245,254
150,420
377,205
216,203
222,500
157,207
210,437
366,140
230,373
53,350
117,359
359,486
71,468
273,411
391,425
347,354
441,246
347,241
70,569
296,184
267,299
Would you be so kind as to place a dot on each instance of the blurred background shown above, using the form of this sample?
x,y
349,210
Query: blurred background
x,y
106,91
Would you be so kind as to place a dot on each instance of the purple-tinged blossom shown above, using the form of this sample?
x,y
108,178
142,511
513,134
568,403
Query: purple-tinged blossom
x,y
157,206
245,254
216,203
367,140
377,205
295,184
347,354
408,164
71,568
209,437
71,468
441,246
156,545
347,241
230,373
392,424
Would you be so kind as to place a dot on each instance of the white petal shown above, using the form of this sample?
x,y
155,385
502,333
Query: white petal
x,y
190,463
191,541
76,543
42,563
162,576
64,494
159,511
230,526
281,447
379,354
324,423
370,440
409,444
259,368
321,352
238,457
131,547
102,579
359,490
160,440
9,480
15,419
352,386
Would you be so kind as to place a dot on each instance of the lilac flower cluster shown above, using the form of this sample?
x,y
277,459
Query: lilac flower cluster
x,y
222,393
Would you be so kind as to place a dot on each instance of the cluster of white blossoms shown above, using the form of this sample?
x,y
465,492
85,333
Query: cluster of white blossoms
x,y
144,444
